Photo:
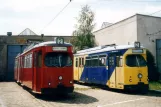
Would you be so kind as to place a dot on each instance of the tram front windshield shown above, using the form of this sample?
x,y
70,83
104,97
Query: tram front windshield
x,y
135,61
54,59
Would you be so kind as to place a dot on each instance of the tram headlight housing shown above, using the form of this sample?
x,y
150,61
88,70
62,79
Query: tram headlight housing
x,y
140,75
60,77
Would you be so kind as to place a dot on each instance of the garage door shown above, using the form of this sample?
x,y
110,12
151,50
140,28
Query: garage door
x,y
158,54
12,51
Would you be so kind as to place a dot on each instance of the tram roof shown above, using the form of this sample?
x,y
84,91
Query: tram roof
x,y
49,43
100,49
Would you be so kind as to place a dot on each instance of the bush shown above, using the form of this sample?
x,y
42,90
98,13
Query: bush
x,y
152,69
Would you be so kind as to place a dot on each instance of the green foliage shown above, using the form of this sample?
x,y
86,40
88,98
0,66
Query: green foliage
x,y
153,85
82,36
152,69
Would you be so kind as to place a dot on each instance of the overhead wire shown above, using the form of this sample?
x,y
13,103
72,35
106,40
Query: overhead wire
x,y
56,16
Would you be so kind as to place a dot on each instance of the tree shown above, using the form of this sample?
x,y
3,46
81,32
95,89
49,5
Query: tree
x,y
82,36
152,69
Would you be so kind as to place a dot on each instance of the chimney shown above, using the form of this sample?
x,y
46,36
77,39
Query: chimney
x,y
9,33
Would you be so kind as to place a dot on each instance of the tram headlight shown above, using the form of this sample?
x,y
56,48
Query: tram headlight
x,y
140,75
60,77
71,82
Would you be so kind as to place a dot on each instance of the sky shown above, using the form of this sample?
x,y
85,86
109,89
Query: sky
x,y
17,15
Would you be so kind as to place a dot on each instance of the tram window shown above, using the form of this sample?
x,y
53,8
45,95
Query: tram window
x,y
102,61
83,61
88,62
25,62
54,59
135,61
80,62
119,61
111,61
22,60
76,64
106,60
30,61
39,59
35,59
15,64
94,61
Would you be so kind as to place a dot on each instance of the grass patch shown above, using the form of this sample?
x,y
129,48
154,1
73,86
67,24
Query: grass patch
x,y
153,85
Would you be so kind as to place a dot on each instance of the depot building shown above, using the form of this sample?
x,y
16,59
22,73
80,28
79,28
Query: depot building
x,y
143,28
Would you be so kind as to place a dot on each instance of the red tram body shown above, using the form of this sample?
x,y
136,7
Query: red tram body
x,y
46,68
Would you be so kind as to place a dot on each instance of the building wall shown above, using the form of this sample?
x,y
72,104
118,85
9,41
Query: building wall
x,y
120,33
148,25
18,40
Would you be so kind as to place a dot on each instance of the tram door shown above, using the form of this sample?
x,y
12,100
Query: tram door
x,y
115,70
80,69
37,70
76,67
112,70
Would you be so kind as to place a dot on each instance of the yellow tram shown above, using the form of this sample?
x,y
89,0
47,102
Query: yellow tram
x,y
118,67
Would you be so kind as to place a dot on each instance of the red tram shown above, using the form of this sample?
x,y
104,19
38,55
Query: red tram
x,y
46,67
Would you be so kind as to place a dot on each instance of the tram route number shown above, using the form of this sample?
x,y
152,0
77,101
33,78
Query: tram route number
x,y
137,44
59,40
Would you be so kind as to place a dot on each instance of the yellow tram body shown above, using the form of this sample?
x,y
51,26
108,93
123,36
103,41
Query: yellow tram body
x,y
118,67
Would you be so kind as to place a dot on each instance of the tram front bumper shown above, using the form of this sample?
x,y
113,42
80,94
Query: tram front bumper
x,y
58,90
139,86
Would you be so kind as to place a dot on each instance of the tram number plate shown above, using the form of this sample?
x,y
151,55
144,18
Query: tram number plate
x,y
59,48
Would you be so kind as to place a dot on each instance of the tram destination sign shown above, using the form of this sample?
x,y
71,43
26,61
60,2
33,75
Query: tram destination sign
x,y
59,48
137,51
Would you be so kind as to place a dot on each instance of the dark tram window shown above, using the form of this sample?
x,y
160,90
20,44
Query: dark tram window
x,y
79,62
135,61
94,61
39,59
83,61
119,62
102,61
76,64
111,61
55,59
88,62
